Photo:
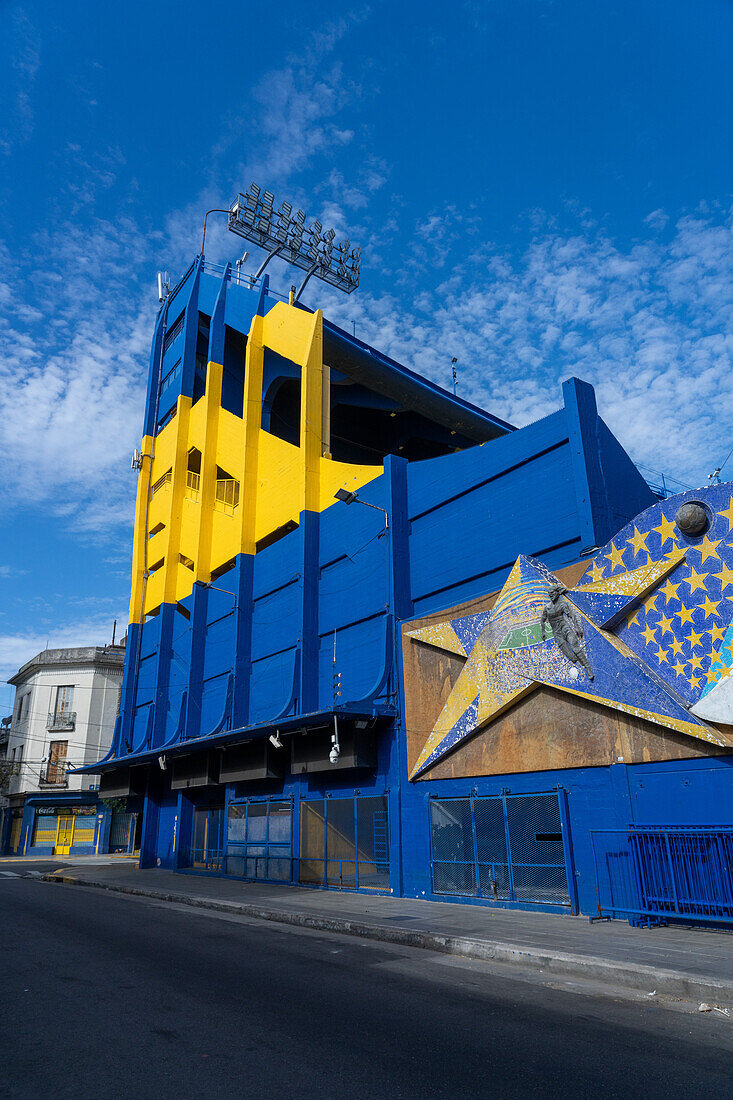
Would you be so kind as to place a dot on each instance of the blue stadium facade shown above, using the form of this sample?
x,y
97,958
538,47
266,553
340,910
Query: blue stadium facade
x,y
298,700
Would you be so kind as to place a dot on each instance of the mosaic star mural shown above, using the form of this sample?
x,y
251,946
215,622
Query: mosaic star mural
x,y
655,614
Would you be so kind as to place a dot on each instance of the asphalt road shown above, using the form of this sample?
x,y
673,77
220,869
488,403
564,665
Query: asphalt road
x,y
110,996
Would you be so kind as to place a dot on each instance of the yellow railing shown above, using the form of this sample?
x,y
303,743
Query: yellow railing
x,y
163,481
227,493
193,483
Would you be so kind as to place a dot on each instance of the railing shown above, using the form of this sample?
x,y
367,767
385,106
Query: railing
x,y
53,775
63,720
654,873
239,279
193,482
162,482
227,494
333,874
207,859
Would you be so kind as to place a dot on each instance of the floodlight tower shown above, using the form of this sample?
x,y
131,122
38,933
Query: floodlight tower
x,y
252,215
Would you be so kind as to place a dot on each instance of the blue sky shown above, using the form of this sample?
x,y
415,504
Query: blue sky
x,y
540,188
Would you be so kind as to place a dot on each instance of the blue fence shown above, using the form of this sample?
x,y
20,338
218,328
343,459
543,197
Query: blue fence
x,y
662,872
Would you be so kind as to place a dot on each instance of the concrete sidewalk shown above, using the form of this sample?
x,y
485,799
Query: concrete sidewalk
x,y
689,963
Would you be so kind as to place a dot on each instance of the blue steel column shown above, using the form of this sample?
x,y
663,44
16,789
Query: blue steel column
x,y
199,612
309,640
400,607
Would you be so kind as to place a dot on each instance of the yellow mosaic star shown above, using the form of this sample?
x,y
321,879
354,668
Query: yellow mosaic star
x,y
665,625
669,591
662,654
712,672
728,513
695,662
666,530
679,668
707,549
595,572
685,615
694,638
717,633
634,619
638,541
725,576
677,647
709,608
694,682
616,557
648,634
695,580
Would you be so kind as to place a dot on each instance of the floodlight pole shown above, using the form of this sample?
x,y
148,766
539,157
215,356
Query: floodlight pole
x,y
216,210
303,285
270,255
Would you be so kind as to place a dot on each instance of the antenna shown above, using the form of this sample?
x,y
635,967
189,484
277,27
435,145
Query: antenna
x,y
164,286
455,376
243,260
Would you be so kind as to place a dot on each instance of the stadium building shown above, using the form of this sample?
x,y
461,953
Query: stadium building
x,y
346,664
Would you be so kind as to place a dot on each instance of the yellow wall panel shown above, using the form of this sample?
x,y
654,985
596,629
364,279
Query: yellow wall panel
x,y
275,480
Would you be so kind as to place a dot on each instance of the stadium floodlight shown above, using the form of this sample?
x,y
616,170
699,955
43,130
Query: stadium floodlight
x,y
281,233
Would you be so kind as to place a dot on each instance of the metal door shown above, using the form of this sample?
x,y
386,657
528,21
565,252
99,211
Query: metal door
x,y
206,852
65,835
506,848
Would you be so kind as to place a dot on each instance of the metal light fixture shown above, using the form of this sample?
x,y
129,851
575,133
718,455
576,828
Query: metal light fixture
x,y
350,498
280,233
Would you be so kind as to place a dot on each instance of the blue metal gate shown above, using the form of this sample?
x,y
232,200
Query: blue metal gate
x,y
653,873
511,848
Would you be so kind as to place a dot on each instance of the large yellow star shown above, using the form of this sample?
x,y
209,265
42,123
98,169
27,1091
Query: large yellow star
x,y
666,530
665,625
717,633
638,541
707,549
648,634
695,662
595,572
708,607
661,654
685,615
616,557
728,513
679,668
670,591
725,576
677,647
694,682
694,638
695,580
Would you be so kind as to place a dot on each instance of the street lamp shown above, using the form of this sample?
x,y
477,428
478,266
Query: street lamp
x,y
350,498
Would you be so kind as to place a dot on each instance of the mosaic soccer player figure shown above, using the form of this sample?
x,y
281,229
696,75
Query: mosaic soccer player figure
x,y
566,627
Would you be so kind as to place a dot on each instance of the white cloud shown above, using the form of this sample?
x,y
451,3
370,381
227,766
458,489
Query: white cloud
x,y
16,649
16,123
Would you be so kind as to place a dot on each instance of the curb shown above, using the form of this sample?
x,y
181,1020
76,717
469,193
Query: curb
x,y
674,983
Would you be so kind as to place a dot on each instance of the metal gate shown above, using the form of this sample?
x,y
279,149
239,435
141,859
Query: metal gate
x,y
344,843
651,873
120,831
260,840
208,828
510,848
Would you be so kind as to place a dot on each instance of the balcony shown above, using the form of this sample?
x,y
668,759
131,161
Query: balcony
x,y
193,483
53,775
63,720
227,495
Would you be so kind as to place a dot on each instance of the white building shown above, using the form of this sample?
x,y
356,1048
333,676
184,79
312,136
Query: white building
x,y
66,703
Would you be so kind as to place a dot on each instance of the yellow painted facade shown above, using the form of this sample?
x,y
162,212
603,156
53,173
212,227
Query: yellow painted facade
x,y
189,520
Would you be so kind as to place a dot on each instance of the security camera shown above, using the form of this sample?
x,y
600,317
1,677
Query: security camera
x,y
333,756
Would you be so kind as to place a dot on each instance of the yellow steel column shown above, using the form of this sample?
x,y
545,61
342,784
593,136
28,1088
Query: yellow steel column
x,y
252,414
208,470
140,534
311,417
178,491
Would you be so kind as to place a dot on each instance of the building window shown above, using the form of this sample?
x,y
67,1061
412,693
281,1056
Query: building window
x,y
63,717
56,770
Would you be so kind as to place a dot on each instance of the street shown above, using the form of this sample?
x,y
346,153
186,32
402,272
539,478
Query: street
x,y
116,997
